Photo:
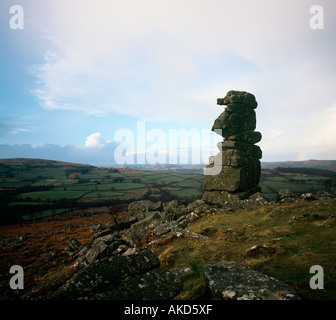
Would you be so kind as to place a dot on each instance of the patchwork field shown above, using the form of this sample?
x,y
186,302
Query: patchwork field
x,y
32,188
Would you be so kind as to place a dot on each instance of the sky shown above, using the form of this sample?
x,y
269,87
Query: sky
x,y
91,81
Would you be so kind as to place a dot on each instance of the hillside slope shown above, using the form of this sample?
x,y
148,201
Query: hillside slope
x,y
281,240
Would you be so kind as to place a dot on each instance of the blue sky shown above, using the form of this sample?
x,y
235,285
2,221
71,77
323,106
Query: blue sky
x,y
81,71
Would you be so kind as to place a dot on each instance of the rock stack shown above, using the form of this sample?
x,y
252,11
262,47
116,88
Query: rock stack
x,y
234,173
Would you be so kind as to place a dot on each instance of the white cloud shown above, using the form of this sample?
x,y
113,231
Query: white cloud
x,y
94,140
170,60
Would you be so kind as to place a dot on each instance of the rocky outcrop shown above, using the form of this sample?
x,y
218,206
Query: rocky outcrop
x,y
173,216
113,264
234,173
139,230
232,281
100,247
134,275
156,284
139,208
111,267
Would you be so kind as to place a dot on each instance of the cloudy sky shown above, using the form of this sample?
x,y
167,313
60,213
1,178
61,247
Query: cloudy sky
x,y
82,72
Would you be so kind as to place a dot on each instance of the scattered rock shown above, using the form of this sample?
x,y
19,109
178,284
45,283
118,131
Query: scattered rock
x,y
308,196
139,208
98,227
157,284
174,210
101,234
73,245
258,198
124,224
308,216
260,249
232,231
178,232
285,195
232,281
164,228
191,207
100,274
100,247
131,251
182,271
184,221
197,207
154,242
139,229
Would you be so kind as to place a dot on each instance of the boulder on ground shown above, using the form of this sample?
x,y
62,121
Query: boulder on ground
x,y
156,284
178,232
139,229
229,280
100,248
73,245
143,205
173,210
106,272
164,228
285,195
124,224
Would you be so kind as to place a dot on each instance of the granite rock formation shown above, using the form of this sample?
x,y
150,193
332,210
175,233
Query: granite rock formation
x,y
229,280
237,165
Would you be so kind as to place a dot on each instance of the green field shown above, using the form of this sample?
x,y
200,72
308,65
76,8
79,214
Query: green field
x,y
51,195
33,189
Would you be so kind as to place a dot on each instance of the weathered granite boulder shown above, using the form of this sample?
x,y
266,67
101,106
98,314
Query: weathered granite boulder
x,y
250,150
235,119
174,210
179,232
285,195
156,284
139,229
232,198
124,224
165,228
250,137
234,179
182,271
101,234
141,207
99,248
195,205
106,273
241,97
73,245
232,281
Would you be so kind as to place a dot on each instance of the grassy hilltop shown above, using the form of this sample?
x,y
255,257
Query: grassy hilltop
x,y
52,201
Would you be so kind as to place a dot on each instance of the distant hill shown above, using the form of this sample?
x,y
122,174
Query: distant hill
x,y
197,168
40,162
316,164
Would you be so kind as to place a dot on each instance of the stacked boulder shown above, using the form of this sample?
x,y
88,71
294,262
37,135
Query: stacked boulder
x,y
234,173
